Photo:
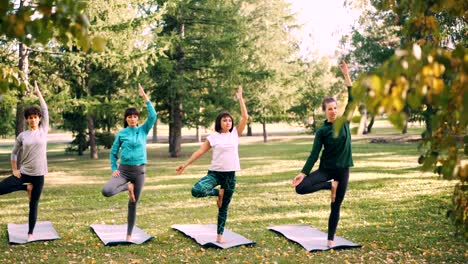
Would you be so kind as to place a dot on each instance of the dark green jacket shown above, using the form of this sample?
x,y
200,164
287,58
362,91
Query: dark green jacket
x,y
336,151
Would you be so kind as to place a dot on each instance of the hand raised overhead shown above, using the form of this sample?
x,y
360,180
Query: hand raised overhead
x,y
239,92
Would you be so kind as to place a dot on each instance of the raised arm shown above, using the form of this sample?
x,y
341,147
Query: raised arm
x,y
349,110
345,71
244,114
44,109
197,154
151,111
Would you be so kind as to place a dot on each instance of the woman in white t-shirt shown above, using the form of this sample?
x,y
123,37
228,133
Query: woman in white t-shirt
x,y
224,163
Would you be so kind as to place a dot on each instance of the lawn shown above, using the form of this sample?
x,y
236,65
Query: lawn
x,y
397,213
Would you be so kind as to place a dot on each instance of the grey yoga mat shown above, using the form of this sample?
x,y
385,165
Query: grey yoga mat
x,y
205,235
18,233
117,234
310,238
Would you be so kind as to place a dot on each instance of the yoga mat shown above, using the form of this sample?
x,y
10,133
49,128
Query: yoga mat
x,y
205,235
18,233
310,238
117,234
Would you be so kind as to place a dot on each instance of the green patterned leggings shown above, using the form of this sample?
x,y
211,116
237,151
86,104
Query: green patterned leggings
x,y
205,187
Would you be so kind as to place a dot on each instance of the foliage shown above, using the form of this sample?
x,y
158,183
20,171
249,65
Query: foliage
x,y
38,23
105,82
6,115
105,139
315,81
270,53
428,72
198,73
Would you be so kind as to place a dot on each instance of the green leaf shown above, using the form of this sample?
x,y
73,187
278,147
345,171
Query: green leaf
x,y
98,44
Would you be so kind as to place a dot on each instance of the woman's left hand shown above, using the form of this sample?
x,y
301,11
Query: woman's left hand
x,y
142,93
239,92
36,89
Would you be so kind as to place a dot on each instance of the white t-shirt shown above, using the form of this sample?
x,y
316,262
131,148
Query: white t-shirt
x,y
225,151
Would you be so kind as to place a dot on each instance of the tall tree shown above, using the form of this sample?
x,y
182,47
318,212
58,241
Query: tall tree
x,y
199,71
270,52
314,81
372,41
99,79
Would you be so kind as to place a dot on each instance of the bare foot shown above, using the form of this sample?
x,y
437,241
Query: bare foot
x,y
330,243
129,238
220,198
333,190
29,188
30,237
219,239
131,193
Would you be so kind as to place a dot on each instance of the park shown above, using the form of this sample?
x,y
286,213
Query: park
x,y
107,103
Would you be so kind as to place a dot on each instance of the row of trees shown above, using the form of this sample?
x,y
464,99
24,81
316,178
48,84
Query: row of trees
x,y
189,55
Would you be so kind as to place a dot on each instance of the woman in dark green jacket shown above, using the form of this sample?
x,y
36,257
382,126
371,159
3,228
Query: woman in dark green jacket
x,y
334,163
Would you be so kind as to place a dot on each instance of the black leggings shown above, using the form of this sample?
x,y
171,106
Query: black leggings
x,y
320,180
13,184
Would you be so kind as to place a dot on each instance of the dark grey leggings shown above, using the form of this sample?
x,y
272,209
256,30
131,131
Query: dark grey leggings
x,y
320,180
13,184
128,173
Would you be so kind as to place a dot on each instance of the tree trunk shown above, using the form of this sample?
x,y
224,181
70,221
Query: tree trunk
x,y
23,66
371,124
175,130
175,114
155,132
362,130
81,139
198,135
428,114
249,130
405,127
265,136
93,153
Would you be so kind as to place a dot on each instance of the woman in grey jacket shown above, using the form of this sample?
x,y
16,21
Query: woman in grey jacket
x,y
33,143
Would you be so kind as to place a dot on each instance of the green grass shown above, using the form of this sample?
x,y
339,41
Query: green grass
x,y
393,210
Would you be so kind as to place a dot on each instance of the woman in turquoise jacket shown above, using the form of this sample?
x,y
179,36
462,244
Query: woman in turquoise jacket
x,y
130,145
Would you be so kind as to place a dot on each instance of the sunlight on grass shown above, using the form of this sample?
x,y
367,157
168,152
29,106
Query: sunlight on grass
x,y
395,211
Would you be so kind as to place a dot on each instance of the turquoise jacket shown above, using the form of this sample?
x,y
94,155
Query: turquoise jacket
x,y
131,142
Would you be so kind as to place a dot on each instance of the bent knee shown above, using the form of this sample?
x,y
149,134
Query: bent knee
x,y
107,192
300,190
196,192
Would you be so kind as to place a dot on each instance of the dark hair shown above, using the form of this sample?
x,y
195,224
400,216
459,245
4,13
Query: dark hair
x,y
128,112
326,101
218,121
32,110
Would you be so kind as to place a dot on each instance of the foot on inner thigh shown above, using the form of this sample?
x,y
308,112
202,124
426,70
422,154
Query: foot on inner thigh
x,y
29,188
333,190
219,202
131,193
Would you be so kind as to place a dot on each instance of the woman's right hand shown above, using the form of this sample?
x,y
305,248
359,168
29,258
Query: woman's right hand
x,y
17,173
298,179
180,169
116,173
142,93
